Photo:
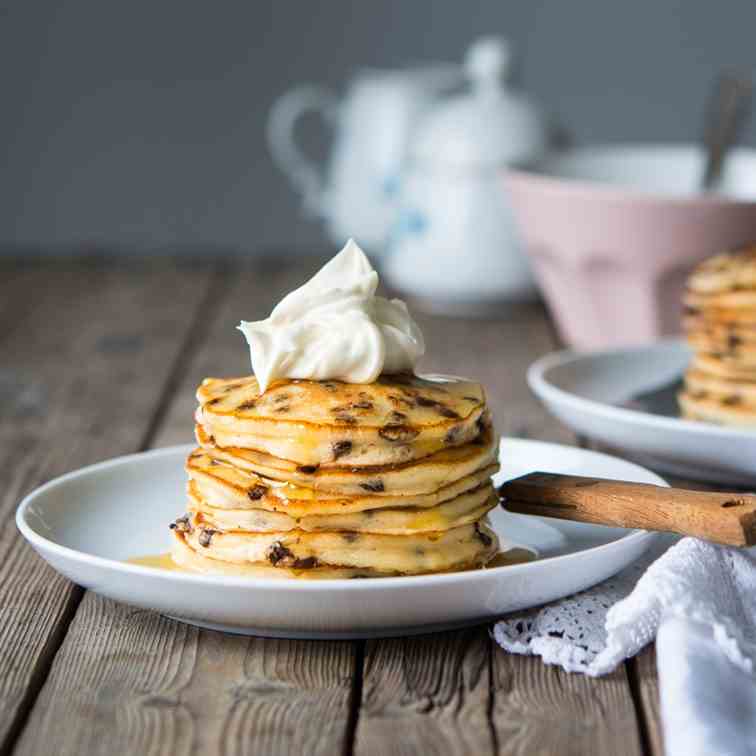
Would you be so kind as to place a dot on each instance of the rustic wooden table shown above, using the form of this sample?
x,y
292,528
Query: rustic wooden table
x,y
99,359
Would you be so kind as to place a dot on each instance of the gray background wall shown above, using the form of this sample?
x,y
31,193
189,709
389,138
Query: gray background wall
x,y
141,123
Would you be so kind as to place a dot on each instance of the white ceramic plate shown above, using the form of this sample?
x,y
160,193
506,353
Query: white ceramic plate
x,y
586,392
87,522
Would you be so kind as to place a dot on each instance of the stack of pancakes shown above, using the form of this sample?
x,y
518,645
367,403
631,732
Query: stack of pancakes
x,y
323,479
720,322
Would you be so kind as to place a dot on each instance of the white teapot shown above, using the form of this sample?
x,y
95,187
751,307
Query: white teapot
x,y
455,247
355,193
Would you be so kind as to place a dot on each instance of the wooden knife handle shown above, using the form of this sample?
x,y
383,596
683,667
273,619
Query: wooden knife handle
x,y
726,518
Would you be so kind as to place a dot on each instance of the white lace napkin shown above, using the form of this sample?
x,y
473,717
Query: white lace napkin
x,y
699,601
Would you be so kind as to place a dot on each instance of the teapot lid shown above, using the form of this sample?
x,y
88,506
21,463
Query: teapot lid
x,y
490,124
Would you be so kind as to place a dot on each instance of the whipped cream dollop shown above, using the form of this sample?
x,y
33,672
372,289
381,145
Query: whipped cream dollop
x,y
334,326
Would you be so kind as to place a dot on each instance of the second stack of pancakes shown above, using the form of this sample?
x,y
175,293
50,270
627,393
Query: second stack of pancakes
x,y
720,322
324,479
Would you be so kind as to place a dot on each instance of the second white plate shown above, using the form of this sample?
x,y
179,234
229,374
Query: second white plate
x,y
590,393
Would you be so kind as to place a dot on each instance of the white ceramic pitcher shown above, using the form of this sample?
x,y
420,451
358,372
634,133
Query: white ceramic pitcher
x,y
355,192
455,247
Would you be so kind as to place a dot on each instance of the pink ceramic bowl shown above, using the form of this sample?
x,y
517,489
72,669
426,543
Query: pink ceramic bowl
x,y
613,232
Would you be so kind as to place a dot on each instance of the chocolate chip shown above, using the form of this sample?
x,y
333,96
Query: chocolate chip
x,y
307,469
376,486
345,418
732,400
442,409
249,404
395,432
424,401
362,404
473,399
453,434
282,409
350,537
215,401
306,563
484,538
284,397
733,341
398,417
277,553
206,536
329,385
340,448
257,492
181,524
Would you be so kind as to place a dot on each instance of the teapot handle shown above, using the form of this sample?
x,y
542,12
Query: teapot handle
x,y
305,176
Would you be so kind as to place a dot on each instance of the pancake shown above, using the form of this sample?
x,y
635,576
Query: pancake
x,y
424,476
329,423
720,322
722,316
724,366
742,352
701,385
189,559
407,555
713,410
735,301
462,510
226,487
721,338
725,272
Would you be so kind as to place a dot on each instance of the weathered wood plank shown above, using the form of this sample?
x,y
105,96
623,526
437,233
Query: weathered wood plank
x,y
544,710
646,682
85,353
154,686
133,682
427,694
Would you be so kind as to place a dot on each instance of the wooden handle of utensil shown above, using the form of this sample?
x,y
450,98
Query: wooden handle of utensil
x,y
726,518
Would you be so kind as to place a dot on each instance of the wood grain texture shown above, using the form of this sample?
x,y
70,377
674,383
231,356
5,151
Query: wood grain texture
x,y
181,690
538,709
128,681
646,682
86,351
427,694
